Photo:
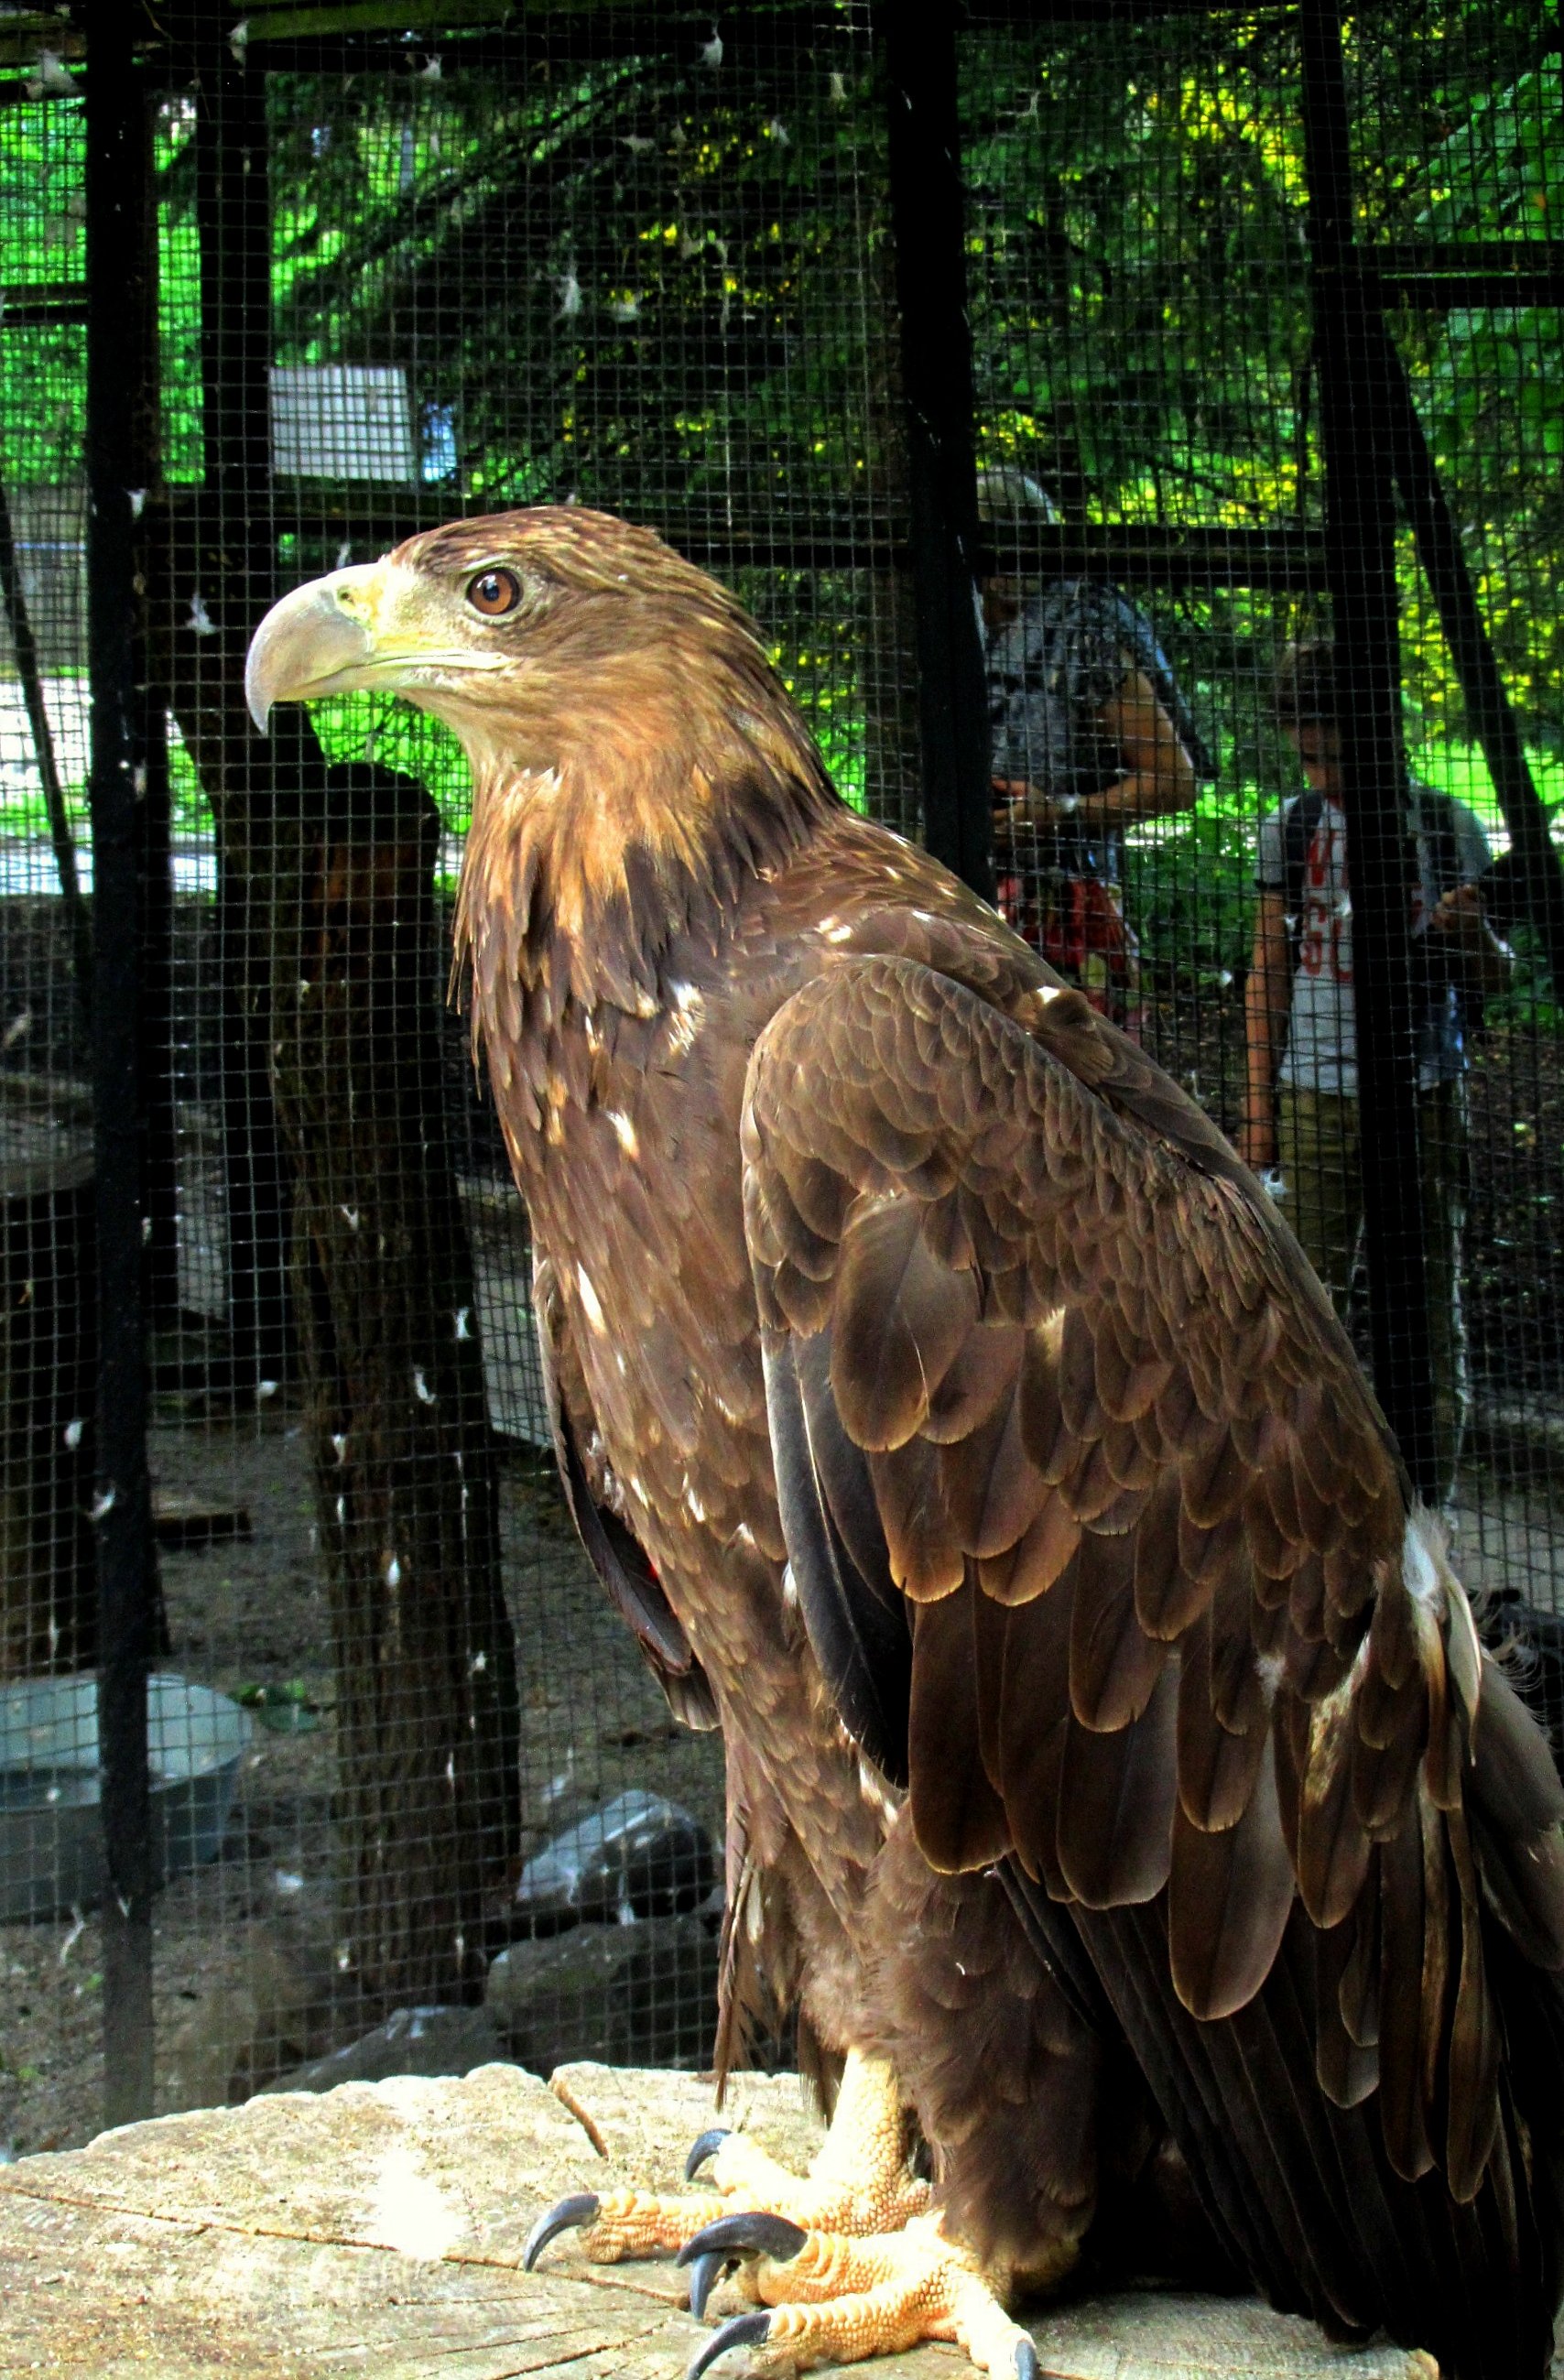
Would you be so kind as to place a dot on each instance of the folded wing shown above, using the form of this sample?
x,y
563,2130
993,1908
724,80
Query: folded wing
x,y
1105,1551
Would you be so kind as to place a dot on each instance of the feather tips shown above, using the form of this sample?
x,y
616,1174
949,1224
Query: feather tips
x,y
1166,1642
1229,1899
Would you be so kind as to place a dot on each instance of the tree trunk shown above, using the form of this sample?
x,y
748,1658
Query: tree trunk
x,y
48,1365
333,869
425,1686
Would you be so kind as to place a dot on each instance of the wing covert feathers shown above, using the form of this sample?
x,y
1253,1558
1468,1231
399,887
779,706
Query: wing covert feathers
x,y
1052,1383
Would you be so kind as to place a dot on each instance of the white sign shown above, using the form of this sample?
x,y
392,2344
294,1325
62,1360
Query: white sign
x,y
342,421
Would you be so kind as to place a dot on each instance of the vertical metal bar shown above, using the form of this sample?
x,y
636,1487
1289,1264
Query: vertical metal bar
x,y
232,213
161,1170
233,218
161,1167
1476,667
1361,560
935,349
115,264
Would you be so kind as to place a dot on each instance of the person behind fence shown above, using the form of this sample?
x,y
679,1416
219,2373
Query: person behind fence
x,y
1089,734
1300,1104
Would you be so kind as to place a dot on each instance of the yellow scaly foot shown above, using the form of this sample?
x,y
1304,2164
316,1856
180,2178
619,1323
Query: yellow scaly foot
x,y
858,2184
829,2298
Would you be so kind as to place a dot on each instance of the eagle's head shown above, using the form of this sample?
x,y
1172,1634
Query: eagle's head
x,y
544,638
629,739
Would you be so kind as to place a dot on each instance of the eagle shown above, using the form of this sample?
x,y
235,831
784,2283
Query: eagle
x,y
1117,1787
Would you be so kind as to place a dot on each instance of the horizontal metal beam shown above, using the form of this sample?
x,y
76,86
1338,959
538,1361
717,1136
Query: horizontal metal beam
x,y
1204,556
1139,12
1439,293
1286,558
396,37
1443,273
42,302
1426,258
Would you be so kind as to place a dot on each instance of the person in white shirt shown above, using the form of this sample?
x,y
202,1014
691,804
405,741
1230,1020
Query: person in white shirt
x,y
1301,1106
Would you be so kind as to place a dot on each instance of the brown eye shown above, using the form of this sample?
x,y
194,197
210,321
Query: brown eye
x,y
494,592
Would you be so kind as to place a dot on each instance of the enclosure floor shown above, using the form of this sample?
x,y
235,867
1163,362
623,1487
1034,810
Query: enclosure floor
x,y
244,1975
244,1950
379,2230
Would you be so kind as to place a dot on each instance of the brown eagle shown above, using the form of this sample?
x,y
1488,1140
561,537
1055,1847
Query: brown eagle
x,y
1115,1782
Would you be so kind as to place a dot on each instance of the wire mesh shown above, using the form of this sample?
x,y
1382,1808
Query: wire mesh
x,y
1146,300
406,1758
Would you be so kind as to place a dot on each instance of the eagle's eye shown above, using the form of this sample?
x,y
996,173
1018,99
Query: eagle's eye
x,y
494,592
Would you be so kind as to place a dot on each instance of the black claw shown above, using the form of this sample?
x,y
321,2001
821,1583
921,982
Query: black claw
x,y
740,2330
705,2273
705,2146
1027,2364
570,2214
746,2235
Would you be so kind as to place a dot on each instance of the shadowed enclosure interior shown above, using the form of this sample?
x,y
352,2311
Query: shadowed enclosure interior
x,y
1251,313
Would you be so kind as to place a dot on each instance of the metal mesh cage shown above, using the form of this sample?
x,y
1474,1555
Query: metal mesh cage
x,y
1245,342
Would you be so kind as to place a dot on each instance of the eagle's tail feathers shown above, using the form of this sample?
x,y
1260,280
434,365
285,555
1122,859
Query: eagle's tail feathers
x,y
1302,2190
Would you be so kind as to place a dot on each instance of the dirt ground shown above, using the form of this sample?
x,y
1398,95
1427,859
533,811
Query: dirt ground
x,y
243,1947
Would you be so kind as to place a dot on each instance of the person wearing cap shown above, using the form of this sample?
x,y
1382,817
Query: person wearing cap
x,y
1300,1101
1090,735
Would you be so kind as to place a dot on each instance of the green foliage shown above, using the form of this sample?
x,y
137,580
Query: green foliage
x,y
42,365
665,289
1138,254
379,727
1137,257
1189,887
1531,1006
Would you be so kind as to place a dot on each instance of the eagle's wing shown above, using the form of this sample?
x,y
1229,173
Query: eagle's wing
x,y
1105,1554
616,1554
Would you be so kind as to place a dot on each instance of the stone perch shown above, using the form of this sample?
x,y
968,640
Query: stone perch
x,y
377,2230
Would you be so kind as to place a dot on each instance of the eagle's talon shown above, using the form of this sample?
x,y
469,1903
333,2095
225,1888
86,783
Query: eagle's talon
x,y
705,2271
572,2214
706,2145
752,2234
739,2330
835,2300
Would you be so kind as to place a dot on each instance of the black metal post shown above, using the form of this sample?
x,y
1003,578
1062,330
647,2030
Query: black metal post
x,y
1482,691
233,218
926,224
160,1164
116,266
160,1176
1360,537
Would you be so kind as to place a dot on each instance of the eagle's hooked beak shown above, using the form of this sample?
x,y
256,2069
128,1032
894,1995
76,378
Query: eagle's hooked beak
x,y
320,639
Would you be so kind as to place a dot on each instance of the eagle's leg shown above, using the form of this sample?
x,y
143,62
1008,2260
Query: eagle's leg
x,y
830,2299
858,2183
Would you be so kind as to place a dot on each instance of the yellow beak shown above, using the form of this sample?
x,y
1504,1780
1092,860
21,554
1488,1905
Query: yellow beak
x,y
318,640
